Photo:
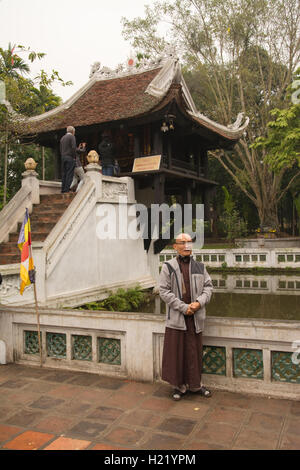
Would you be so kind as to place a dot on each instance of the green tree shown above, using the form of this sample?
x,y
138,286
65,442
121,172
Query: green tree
x,y
23,96
235,225
282,141
11,64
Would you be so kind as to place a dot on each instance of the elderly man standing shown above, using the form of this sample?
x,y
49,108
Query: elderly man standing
x,y
185,287
68,151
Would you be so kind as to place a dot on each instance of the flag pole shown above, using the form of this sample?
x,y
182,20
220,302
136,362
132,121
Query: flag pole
x,y
37,313
27,273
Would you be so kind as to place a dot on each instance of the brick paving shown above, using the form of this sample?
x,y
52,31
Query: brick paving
x,y
46,409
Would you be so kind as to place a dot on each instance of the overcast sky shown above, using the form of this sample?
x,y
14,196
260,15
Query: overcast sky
x,y
73,33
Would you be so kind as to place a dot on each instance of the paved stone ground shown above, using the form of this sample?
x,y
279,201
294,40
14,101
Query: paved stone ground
x,y
64,410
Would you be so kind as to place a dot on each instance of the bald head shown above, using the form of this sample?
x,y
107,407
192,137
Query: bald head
x,y
183,237
183,244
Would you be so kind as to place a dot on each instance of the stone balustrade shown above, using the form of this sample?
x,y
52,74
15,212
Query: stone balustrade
x,y
241,355
243,257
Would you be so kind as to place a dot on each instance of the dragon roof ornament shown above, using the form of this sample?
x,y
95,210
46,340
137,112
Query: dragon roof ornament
x,y
132,65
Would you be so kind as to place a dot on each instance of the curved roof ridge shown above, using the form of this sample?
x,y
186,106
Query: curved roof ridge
x,y
125,92
232,129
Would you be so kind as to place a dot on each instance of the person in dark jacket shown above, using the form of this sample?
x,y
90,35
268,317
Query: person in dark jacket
x,y
68,152
186,287
68,158
107,154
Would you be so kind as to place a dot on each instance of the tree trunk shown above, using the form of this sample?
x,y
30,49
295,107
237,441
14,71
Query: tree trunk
x,y
268,215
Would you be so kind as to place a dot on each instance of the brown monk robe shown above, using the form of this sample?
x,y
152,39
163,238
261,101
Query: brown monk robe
x,y
182,355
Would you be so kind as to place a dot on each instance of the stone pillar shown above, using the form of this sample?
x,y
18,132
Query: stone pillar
x,y
208,195
130,187
159,188
204,162
30,179
153,262
57,161
136,146
93,171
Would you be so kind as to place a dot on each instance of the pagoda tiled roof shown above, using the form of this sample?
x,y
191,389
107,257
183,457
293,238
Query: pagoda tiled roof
x,y
102,101
114,96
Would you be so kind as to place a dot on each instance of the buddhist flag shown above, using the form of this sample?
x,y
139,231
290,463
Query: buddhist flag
x,y
27,273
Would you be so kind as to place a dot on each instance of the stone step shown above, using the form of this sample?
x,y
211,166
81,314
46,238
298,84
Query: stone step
x,y
37,226
46,207
35,236
52,198
9,258
43,218
46,217
9,248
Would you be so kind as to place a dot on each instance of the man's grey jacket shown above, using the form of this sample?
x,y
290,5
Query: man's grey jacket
x,y
170,290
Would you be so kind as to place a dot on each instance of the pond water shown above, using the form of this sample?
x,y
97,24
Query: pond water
x,y
247,296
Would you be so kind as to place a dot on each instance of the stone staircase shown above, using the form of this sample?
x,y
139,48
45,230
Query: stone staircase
x,y
43,218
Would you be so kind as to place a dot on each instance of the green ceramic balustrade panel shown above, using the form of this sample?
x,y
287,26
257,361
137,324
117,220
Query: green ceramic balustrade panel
x,y
214,360
283,368
31,342
82,348
56,345
109,351
248,363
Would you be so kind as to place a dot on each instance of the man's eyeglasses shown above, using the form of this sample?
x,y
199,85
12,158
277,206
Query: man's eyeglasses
x,y
185,243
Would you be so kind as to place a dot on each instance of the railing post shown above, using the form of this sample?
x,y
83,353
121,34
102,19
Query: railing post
x,y
267,364
30,179
93,171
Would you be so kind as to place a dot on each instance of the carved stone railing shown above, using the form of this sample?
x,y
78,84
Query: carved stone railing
x,y
61,235
14,211
241,355
72,263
